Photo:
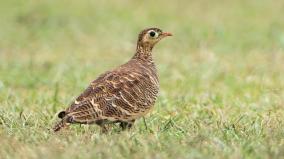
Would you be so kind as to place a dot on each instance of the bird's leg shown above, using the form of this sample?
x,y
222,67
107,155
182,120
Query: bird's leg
x,y
104,129
123,125
102,124
126,125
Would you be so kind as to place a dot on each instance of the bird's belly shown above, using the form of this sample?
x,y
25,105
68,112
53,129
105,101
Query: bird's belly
x,y
144,105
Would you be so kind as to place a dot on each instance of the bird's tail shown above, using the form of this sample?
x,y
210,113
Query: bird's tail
x,y
61,124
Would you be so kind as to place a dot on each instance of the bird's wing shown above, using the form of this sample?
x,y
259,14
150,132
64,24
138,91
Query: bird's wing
x,y
113,96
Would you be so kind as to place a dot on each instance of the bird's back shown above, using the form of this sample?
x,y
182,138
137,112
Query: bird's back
x,y
124,94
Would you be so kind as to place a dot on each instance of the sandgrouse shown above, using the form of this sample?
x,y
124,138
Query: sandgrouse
x,y
121,95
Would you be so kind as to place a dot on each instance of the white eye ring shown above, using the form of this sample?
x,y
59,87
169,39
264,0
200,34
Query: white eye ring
x,y
153,34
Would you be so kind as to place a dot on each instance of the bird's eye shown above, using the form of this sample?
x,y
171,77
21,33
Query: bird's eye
x,y
153,34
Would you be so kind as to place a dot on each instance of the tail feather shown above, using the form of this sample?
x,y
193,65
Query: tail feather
x,y
58,126
61,114
61,124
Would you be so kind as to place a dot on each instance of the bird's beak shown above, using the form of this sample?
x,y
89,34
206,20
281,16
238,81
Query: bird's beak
x,y
167,34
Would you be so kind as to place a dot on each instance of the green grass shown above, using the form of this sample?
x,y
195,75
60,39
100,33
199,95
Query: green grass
x,y
221,74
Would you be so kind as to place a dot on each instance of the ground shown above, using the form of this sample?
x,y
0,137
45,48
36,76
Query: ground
x,y
221,77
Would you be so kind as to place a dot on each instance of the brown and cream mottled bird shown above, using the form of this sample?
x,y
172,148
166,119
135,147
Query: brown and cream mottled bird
x,y
121,95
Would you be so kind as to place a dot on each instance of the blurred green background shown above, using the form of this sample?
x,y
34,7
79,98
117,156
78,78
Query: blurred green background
x,y
221,77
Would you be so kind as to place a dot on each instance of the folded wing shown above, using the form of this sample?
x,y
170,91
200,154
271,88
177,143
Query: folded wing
x,y
114,96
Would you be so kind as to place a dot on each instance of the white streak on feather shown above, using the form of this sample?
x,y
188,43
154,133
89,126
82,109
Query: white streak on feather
x,y
125,100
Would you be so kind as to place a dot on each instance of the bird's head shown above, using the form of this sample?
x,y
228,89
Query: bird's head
x,y
151,36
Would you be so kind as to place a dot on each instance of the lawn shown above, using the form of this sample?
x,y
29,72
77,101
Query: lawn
x,y
221,77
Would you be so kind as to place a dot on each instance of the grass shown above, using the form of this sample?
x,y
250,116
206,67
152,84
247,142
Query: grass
x,y
221,74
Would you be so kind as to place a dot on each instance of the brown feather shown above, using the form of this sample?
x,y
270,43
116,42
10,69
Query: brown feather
x,y
122,95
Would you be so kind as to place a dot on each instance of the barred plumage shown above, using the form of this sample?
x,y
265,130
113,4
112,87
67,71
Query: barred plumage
x,y
121,95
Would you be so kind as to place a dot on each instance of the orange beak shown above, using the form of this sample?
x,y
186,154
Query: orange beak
x,y
167,34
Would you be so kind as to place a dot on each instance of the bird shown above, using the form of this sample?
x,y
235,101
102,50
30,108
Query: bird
x,y
121,95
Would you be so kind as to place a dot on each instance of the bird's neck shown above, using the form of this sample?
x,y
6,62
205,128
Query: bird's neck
x,y
144,52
